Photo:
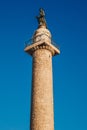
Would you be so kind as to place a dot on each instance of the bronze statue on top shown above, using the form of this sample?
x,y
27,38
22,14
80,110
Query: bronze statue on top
x,y
41,18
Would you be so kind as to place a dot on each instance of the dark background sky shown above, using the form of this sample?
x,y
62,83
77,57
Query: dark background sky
x,y
67,21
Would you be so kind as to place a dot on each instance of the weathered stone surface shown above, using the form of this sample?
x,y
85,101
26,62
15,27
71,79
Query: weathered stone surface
x,y
42,115
42,93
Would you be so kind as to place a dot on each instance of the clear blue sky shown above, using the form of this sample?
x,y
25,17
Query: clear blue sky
x,y
67,21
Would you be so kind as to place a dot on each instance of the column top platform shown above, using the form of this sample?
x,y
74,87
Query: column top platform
x,y
42,38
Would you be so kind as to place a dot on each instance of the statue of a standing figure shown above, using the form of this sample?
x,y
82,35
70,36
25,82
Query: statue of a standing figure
x,y
41,18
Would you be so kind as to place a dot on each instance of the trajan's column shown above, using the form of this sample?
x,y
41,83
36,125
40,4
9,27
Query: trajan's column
x,y
41,49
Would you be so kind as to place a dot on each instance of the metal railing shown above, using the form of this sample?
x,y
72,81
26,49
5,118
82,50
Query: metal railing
x,y
56,45
28,42
31,41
